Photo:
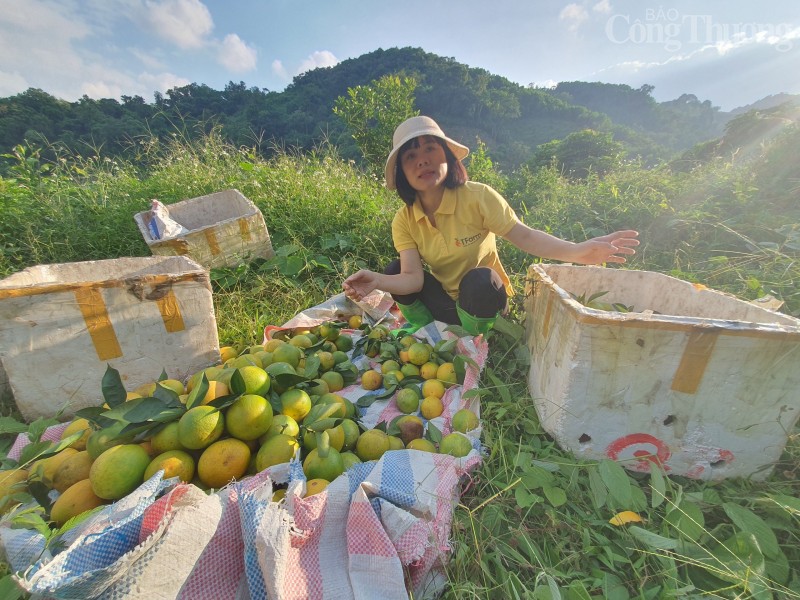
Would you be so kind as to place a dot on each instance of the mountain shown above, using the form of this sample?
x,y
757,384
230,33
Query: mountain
x,y
469,103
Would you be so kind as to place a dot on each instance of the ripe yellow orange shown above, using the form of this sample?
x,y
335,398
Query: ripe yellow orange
x,y
222,462
11,482
431,407
200,427
428,370
249,417
174,385
216,389
176,463
372,444
74,427
422,444
276,450
315,486
295,403
281,424
226,353
76,499
74,469
371,380
354,322
446,372
433,387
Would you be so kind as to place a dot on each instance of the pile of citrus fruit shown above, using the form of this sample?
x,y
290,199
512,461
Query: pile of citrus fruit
x,y
257,408
415,376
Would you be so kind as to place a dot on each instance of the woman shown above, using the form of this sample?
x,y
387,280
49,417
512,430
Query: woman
x,y
451,224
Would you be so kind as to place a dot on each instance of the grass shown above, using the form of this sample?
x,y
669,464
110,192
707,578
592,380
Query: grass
x,y
533,521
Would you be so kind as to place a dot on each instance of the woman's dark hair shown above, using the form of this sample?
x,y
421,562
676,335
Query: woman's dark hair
x,y
456,171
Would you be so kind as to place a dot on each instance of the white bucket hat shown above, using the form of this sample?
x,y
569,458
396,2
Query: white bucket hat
x,y
410,129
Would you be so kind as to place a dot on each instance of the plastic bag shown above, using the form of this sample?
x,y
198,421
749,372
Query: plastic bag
x,y
160,225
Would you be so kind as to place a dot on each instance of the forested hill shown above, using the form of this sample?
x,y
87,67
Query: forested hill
x,y
511,119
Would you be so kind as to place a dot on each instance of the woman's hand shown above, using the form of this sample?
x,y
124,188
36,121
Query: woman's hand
x,y
360,284
606,248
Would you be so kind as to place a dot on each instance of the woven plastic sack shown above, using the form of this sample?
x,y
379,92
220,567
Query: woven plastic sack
x,y
99,550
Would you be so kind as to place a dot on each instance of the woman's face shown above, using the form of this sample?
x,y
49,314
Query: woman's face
x,y
424,164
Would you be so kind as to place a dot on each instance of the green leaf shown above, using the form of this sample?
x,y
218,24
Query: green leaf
x,y
167,396
433,433
10,425
140,410
737,560
617,482
597,487
536,477
749,522
238,386
198,392
37,428
291,266
687,519
658,486
9,590
653,540
525,498
555,495
788,503
113,391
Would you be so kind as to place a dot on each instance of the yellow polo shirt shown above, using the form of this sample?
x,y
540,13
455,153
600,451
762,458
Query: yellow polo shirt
x,y
467,223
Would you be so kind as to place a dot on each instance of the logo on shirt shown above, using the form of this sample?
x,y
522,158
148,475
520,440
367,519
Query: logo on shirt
x,y
468,241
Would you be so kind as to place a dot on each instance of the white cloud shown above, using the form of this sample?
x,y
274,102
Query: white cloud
x,y
185,23
603,7
12,83
147,59
574,15
320,58
159,82
279,70
235,55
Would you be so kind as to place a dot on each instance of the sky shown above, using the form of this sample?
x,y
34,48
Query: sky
x,y
731,52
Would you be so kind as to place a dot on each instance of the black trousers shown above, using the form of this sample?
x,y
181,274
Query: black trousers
x,y
481,293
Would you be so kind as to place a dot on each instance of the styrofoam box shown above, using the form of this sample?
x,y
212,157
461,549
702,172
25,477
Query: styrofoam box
x,y
62,324
696,380
224,229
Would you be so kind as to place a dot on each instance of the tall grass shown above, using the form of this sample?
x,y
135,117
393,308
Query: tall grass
x,y
533,521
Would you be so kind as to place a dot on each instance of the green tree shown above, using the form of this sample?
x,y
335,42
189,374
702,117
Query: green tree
x,y
580,153
372,112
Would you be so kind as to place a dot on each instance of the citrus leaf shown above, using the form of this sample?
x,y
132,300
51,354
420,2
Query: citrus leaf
x,y
113,391
9,590
198,392
433,433
10,425
167,396
224,401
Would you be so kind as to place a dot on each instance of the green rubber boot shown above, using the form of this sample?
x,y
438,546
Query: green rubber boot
x,y
417,314
475,325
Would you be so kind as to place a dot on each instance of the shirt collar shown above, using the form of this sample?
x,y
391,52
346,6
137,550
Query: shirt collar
x,y
447,207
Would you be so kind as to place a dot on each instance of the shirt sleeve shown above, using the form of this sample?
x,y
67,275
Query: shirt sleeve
x,y
498,216
401,234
